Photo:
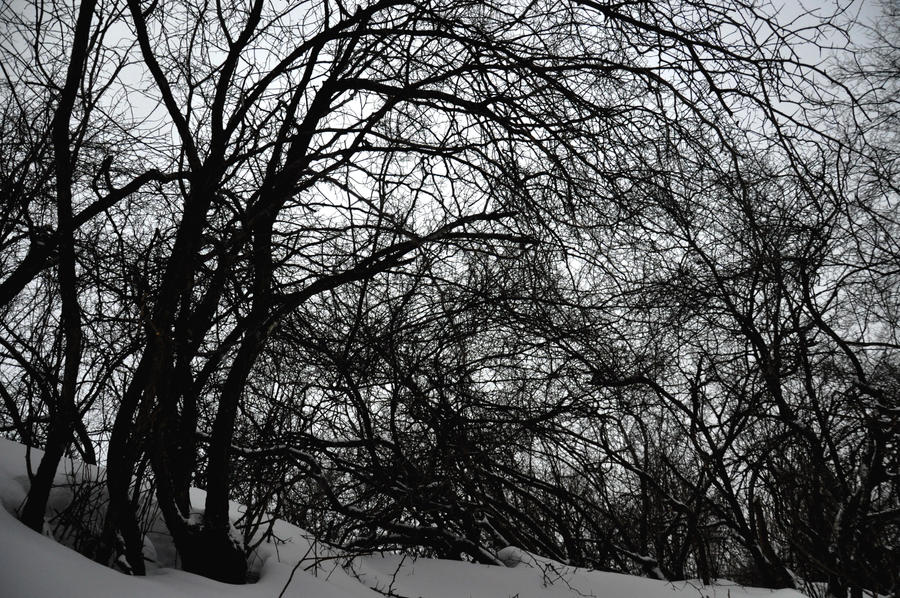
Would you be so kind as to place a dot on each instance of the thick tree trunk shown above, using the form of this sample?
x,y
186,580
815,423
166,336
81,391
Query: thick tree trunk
x,y
62,422
148,392
36,503
771,568
216,525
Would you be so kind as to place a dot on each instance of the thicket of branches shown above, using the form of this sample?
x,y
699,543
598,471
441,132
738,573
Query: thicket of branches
x,y
615,283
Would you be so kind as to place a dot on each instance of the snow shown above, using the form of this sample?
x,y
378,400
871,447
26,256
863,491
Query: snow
x,y
37,566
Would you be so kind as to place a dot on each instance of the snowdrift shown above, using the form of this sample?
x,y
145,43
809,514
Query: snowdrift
x,y
38,566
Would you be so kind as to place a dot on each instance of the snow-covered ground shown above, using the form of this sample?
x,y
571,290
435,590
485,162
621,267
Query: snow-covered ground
x,y
36,566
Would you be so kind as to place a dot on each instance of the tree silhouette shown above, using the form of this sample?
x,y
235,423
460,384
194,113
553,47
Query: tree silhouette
x,y
450,276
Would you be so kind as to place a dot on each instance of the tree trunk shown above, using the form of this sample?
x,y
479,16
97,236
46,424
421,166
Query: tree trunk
x,y
772,569
62,422
222,556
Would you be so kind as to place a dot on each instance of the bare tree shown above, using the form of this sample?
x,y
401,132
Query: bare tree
x,y
561,275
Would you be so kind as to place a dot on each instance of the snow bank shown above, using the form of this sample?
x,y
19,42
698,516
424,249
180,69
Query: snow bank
x,y
36,566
